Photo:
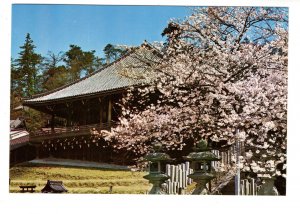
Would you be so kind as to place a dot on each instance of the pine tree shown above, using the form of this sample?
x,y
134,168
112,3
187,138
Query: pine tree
x,y
113,52
80,63
15,91
55,73
27,68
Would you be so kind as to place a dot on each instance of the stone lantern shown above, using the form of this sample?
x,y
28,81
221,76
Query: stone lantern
x,y
157,176
201,160
268,187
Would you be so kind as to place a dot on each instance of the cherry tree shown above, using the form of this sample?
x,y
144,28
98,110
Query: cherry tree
x,y
222,69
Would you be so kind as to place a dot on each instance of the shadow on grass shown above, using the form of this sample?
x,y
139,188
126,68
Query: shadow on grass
x,y
53,165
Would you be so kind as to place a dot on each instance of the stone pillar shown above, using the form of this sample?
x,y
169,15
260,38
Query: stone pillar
x,y
253,187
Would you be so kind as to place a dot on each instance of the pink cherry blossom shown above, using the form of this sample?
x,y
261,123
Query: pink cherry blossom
x,y
223,69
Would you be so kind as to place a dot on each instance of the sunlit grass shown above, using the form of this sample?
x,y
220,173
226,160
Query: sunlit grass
x,y
80,180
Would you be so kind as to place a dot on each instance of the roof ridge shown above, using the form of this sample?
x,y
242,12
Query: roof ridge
x,y
150,46
88,76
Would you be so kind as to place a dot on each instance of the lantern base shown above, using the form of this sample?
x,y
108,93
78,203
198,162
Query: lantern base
x,y
157,179
268,187
201,179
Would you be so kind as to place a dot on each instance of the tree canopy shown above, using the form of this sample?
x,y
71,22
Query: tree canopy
x,y
113,52
80,63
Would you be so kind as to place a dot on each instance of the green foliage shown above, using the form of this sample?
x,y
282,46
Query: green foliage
x,y
80,63
59,78
113,52
54,74
25,76
34,119
26,70
15,91
55,77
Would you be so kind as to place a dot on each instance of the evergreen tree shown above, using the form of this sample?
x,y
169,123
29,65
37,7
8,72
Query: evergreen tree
x,y
27,68
15,91
55,73
113,52
80,63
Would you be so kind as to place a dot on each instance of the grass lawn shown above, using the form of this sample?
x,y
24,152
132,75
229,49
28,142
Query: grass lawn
x,y
79,180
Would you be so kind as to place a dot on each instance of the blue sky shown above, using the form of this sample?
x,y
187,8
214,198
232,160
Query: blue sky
x,y
55,27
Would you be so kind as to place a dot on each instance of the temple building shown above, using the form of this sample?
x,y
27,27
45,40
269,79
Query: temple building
x,y
81,109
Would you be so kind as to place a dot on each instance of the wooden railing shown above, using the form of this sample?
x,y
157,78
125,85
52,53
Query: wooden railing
x,y
18,133
45,133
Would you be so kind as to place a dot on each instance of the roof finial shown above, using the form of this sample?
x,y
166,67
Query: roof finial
x,y
145,43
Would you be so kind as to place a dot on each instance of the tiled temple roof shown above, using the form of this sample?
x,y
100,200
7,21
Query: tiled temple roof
x,y
54,187
108,79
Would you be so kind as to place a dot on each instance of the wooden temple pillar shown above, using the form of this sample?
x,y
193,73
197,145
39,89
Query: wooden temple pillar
x,y
105,111
69,114
101,113
52,122
82,113
69,119
109,112
37,151
13,157
88,111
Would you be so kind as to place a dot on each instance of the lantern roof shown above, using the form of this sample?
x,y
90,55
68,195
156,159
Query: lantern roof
x,y
202,156
157,156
